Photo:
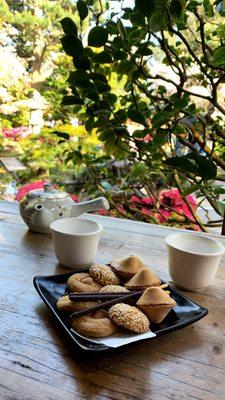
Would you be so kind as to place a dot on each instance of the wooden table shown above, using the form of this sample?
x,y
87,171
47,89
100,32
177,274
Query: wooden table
x,y
37,363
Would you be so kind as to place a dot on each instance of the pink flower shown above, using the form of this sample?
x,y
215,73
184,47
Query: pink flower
x,y
135,199
146,211
163,215
148,201
21,131
102,212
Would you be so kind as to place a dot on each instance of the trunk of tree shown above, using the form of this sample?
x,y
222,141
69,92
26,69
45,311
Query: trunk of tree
x,y
39,50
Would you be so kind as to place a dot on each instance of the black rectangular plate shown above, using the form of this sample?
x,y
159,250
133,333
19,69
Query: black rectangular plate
x,y
50,288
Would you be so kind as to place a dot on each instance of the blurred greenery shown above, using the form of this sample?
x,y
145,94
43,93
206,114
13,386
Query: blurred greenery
x,y
143,84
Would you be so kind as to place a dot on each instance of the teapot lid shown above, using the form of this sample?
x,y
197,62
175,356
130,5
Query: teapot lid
x,y
48,192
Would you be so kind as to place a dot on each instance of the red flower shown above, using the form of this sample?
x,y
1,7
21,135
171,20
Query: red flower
x,y
163,215
28,187
102,212
75,198
146,211
148,201
135,199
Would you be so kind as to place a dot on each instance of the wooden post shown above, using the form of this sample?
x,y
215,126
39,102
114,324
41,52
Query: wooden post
x,y
223,226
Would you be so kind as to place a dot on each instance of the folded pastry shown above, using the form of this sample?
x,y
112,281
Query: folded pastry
x,y
156,304
142,280
127,267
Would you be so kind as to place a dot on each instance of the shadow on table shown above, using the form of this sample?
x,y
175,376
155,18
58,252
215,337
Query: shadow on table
x,y
129,372
35,240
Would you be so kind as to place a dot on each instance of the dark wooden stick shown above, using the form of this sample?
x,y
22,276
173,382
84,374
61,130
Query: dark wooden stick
x,y
120,299
98,296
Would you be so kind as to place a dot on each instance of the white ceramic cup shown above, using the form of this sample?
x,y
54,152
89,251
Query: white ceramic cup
x,y
75,241
193,259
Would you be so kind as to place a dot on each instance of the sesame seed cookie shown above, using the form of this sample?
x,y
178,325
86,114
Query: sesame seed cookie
x,y
113,289
129,317
103,275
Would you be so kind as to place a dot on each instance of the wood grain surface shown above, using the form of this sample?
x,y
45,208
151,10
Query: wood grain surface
x,y
38,363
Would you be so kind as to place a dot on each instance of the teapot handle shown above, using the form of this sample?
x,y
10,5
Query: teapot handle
x,y
91,205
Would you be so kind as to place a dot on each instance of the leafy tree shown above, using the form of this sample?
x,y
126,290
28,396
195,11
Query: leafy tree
x,y
180,128
35,34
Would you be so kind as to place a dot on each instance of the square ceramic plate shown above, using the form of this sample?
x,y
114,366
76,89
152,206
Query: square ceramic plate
x,y
50,288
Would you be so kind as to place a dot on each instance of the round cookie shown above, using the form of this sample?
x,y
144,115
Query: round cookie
x,y
103,275
113,289
65,304
81,282
129,317
96,324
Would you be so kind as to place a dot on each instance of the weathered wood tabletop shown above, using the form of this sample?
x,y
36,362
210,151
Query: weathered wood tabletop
x,y
37,363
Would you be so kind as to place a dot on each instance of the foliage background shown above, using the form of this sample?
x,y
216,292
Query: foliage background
x,y
147,83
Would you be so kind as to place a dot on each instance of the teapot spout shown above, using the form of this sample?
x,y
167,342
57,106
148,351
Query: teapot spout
x,y
92,205
41,219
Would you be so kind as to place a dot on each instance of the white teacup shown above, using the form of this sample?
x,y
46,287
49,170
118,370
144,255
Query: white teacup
x,y
75,241
193,259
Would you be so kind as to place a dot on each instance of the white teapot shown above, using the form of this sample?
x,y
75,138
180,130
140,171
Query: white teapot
x,y
40,207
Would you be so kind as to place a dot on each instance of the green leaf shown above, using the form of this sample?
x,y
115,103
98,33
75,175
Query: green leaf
x,y
70,100
157,21
68,26
161,118
111,98
179,102
82,9
72,45
221,31
103,58
137,18
97,37
81,62
97,76
139,170
136,116
139,133
119,55
176,8
62,135
121,116
179,130
191,189
219,56
77,157
221,207
89,124
183,164
160,138
208,8
145,6
207,168
81,79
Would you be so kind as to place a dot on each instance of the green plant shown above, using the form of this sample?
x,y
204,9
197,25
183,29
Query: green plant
x,y
174,118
